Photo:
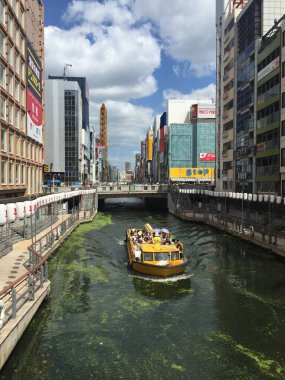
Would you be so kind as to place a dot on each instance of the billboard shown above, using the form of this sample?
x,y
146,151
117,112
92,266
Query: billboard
x,y
181,174
34,95
199,111
209,156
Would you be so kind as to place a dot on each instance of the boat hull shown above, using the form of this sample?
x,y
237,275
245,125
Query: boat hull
x,y
160,271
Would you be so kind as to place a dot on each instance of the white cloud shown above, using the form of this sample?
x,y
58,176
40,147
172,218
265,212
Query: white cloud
x,y
127,126
117,44
208,92
186,27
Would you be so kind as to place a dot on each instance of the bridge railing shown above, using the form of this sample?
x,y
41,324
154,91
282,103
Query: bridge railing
x,y
139,188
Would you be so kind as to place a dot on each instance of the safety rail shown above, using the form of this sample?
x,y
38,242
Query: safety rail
x,y
14,295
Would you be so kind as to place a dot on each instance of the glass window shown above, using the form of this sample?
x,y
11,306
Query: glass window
x,y
2,12
11,172
2,44
23,148
3,107
3,172
22,96
22,173
161,256
148,256
11,141
11,114
17,62
22,18
17,118
3,138
22,47
10,84
28,150
10,24
18,146
2,76
17,90
10,54
17,174
23,121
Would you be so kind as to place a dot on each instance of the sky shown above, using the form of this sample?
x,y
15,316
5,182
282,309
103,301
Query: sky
x,y
135,54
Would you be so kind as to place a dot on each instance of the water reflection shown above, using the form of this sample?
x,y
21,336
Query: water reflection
x,y
163,288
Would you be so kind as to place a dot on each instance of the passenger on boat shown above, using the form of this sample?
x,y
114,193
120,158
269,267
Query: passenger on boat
x,y
137,252
156,239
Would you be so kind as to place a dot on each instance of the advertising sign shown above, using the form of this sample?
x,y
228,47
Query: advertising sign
x,y
207,156
199,111
191,173
34,95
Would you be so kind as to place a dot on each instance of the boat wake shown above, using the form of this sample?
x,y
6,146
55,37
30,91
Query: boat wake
x,y
165,279
120,242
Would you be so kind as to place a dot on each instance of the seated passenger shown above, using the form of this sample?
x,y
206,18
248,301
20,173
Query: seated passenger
x,y
156,239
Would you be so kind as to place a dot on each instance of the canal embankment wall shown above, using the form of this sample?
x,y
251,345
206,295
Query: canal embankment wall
x,y
260,224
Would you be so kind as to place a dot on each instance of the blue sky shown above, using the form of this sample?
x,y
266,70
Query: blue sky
x,y
135,54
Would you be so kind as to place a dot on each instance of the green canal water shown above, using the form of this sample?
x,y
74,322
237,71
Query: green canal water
x,y
222,319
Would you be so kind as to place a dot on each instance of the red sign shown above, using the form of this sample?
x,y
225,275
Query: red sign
x,y
34,117
207,156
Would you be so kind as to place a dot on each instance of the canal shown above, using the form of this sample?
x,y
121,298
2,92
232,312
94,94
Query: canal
x,y
222,319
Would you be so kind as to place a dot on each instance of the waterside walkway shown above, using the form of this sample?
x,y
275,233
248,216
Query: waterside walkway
x,y
24,280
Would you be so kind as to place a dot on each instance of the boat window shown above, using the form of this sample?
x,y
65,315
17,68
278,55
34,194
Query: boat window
x,y
148,256
161,256
174,255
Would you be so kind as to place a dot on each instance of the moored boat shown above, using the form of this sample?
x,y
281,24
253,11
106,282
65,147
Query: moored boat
x,y
155,252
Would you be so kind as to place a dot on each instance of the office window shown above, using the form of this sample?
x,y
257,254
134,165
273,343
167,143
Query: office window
x,y
10,24
23,121
17,174
2,107
2,75
10,54
17,118
283,157
2,12
283,128
22,100
22,17
22,173
11,142
11,114
283,99
22,45
3,138
17,62
11,172
17,90
10,84
28,150
23,148
2,44
3,172
18,146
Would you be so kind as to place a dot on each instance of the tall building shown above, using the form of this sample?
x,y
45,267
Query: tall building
x,y
239,30
85,135
128,166
21,106
64,130
104,141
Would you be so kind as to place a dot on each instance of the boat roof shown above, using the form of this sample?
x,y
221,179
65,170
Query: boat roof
x,y
145,247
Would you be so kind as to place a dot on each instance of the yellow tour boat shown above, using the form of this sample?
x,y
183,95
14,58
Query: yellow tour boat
x,y
155,252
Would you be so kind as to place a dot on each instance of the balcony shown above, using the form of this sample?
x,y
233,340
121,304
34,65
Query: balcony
x,y
226,76
243,151
269,95
267,170
244,175
267,145
225,114
267,120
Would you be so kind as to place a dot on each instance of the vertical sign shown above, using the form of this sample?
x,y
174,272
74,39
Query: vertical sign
x,y
34,95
